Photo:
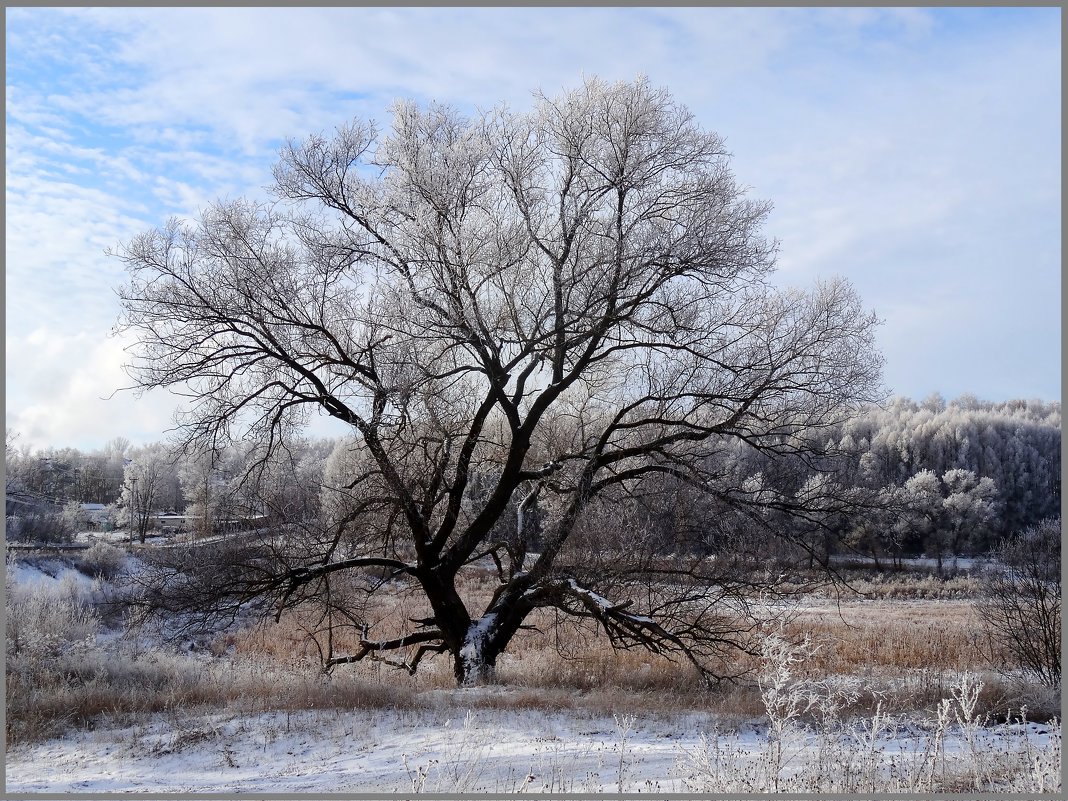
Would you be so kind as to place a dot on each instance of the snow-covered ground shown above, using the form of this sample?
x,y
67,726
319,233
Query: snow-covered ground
x,y
89,537
48,576
119,537
491,751
428,751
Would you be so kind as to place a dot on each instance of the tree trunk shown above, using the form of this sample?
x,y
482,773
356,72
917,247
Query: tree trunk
x,y
473,668
476,660
486,638
875,556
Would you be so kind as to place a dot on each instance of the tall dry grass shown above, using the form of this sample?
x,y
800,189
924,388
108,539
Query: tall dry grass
x,y
906,652
65,669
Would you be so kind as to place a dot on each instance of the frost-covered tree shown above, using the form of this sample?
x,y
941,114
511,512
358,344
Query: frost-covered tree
x,y
14,466
1016,444
970,504
72,517
521,314
293,487
212,485
943,513
145,480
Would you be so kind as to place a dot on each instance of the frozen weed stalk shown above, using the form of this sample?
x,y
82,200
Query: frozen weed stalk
x,y
928,761
461,764
715,765
785,698
624,725
966,695
868,740
417,775
1045,773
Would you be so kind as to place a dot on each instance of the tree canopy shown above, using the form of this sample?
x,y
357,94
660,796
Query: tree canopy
x,y
526,319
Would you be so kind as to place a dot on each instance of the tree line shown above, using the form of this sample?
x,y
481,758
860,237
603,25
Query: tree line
x,y
957,477
953,477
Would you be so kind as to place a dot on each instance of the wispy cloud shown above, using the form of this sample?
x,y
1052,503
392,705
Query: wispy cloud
x,y
915,151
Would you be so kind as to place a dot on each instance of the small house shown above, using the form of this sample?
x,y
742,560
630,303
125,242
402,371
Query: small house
x,y
96,517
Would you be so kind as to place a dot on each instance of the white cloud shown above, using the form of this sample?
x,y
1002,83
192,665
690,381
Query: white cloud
x,y
66,392
256,74
72,391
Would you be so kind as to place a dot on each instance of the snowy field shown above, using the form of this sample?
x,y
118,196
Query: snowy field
x,y
357,751
428,751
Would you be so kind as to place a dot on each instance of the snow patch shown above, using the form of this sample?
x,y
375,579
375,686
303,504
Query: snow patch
x,y
52,577
602,602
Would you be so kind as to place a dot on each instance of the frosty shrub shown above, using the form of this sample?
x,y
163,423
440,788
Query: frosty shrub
x,y
1021,608
50,627
44,624
38,526
102,561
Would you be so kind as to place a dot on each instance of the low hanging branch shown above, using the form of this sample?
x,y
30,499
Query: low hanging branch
x,y
373,648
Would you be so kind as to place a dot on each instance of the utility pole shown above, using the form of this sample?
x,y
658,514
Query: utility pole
x,y
135,519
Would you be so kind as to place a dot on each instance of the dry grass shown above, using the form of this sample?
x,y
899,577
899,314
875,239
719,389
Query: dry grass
x,y
116,682
906,654
63,669
906,585
866,636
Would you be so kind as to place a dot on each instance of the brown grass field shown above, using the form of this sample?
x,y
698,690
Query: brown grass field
x,y
903,644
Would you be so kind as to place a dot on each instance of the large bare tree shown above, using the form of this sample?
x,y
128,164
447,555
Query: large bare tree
x,y
523,318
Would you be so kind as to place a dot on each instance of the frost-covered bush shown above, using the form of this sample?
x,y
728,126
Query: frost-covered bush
x,y
102,561
1021,610
46,620
47,527
51,626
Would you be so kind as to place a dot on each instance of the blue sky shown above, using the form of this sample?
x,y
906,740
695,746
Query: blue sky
x,y
914,151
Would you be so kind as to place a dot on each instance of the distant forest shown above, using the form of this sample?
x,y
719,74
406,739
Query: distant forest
x,y
942,478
